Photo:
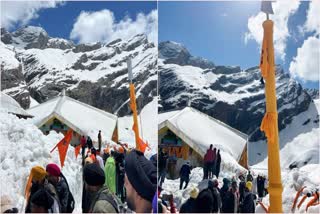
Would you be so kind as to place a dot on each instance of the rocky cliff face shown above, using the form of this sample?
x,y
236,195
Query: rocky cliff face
x,y
92,73
229,94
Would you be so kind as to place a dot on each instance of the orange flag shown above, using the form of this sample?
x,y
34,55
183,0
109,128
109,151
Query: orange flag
x,y
135,126
63,146
77,150
142,145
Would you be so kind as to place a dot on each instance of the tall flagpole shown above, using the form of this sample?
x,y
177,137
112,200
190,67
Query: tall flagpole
x,y
270,121
133,104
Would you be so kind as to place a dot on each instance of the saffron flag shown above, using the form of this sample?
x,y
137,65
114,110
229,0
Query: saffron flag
x,y
77,150
143,145
63,146
269,125
135,126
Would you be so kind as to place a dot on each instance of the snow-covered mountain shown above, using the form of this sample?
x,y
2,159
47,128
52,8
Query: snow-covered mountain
x,y
41,66
228,93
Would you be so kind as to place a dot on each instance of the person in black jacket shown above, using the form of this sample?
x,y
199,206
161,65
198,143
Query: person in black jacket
x,y
59,182
260,186
242,186
231,199
99,141
204,202
248,205
41,202
89,143
190,205
185,174
217,204
218,163
119,159
162,166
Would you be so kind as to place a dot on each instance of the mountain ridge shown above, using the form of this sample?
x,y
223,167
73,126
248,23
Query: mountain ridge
x,y
93,73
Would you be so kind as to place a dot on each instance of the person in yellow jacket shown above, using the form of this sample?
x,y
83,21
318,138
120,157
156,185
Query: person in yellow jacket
x,y
110,173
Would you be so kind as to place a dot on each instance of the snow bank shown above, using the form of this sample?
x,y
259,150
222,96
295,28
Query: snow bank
x,y
7,57
292,181
11,105
304,149
23,146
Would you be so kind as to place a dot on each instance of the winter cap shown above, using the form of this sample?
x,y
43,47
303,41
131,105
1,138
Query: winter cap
x,y
142,174
194,193
38,173
53,169
42,198
93,175
249,185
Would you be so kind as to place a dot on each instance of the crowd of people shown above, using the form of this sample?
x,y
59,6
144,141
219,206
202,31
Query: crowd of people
x,y
115,180
47,190
234,195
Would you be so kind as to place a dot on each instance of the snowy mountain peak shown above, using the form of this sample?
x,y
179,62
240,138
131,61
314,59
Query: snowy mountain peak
x,y
91,73
30,31
227,93
175,53
170,49
33,37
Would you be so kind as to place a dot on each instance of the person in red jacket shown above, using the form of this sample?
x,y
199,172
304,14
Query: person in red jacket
x,y
209,159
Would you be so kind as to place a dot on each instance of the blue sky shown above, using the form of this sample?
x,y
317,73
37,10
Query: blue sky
x,y
58,21
216,31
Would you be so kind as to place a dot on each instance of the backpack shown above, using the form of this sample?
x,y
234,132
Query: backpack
x,y
110,197
71,201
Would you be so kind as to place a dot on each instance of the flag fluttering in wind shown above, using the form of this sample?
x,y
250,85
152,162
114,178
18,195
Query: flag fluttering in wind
x,y
63,146
140,145
269,124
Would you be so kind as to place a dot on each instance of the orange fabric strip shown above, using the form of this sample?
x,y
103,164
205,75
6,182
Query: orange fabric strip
x,y
263,206
269,125
296,199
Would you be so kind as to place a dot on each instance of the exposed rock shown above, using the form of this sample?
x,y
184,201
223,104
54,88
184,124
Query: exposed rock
x,y
86,47
229,94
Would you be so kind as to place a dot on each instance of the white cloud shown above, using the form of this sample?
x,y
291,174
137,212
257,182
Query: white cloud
x,y
306,64
283,9
22,12
313,18
101,26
